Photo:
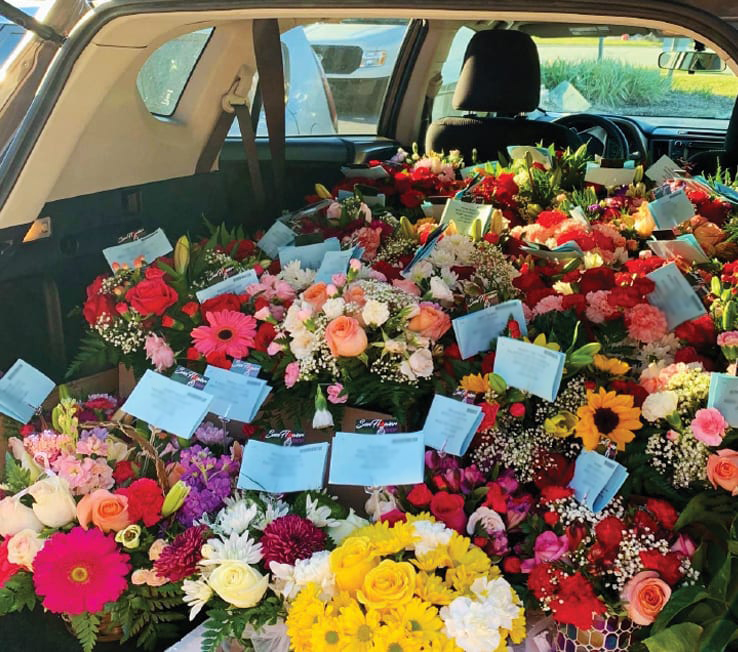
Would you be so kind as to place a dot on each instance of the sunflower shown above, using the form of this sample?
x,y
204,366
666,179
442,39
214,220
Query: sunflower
x,y
357,628
612,366
476,383
610,415
416,619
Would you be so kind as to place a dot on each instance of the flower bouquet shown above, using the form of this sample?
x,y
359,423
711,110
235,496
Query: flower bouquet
x,y
414,585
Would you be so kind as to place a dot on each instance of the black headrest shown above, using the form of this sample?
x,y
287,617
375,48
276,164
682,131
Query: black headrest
x,y
501,73
731,137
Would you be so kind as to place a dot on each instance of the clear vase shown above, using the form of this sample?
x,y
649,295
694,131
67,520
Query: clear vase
x,y
612,634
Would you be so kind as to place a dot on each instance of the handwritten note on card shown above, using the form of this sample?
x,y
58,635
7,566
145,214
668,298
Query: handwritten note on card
x,y
463,214
529,367
22,391
282,469
148,248
671,210
674,296
476,331
167,404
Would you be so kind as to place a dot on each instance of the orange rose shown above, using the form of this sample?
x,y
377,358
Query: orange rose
x,y
354,294
345,337
316,295
107,511
722,470
430,322
645,596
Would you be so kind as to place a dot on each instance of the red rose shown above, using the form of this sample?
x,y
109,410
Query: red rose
x,y
240,249
496,498
553,469
609,532
449,508
511,564
96,306
264,336
517,410
152,296
667,565
123,471
390,271
698,332
420,496
395,516
489,410
412,198
663,511
575,534
145,499
190,308
551,518
221,302
638,392
575,302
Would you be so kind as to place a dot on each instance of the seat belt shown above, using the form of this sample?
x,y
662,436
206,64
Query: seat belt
x,y
268,50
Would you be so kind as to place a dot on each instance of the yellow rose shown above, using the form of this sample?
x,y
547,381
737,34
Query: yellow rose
x,y
238,583
351,562
390,584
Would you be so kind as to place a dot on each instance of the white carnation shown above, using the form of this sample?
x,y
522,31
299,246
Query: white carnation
x,y
334,307
430,535
440,291
303,344
375,313
659,405
421,271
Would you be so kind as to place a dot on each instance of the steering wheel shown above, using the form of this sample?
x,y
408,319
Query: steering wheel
x,y
615,144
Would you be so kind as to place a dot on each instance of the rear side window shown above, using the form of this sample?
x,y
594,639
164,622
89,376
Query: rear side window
x,y
162,79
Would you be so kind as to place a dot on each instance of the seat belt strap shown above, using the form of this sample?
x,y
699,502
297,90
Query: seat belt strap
x,y
268,51
248,138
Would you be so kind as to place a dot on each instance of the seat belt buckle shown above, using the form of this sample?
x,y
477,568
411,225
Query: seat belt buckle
x,y
238,95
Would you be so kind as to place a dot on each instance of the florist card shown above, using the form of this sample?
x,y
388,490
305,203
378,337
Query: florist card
x,y
609,176
282,469
476,331
463,214
22,390
371,461
278,235
168,405
529,367
310,256
246,368
362,171
235,284
537,154
451,425
597,479
663,170
671,210
724,396
674,296
685,246
148,249
235,396
336,262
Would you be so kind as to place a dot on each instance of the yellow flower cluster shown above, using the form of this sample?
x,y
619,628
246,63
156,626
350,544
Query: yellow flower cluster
x,y
388,594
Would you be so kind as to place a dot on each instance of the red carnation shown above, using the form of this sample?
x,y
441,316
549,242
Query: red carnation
x,y
609,532
551,518
264,336
496,498
449,508
597,278
240,249
576,602
123,471
549,219
663,511
552,493
511,564
489,410
145,499
667,565
289,538
412,198
638,392
225,301
190,308
420,496
180,558
7,569
698,332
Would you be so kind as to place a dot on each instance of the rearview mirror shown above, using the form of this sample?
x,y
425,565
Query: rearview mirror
x,y
691,61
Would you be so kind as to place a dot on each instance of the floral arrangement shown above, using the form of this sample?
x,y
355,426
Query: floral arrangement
x,y
416,584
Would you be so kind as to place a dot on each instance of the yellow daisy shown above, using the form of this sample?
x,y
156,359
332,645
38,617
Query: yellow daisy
x,y
609,415
474,383
444,644
612,366
386,539
460,578
326,635
463,553
306,612
432,589
389,639
357,628
416,619
518,631
434,559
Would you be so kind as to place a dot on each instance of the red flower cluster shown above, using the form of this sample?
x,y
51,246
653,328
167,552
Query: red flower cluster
x,y
289,538
145,500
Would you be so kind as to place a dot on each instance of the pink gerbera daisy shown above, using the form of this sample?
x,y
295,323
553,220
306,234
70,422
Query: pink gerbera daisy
x,y
229,332
80,571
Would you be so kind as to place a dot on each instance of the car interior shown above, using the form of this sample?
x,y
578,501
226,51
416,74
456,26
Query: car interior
x,y
93,159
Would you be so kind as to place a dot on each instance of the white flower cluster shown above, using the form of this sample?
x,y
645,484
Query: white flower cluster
x,y
127,335
680,457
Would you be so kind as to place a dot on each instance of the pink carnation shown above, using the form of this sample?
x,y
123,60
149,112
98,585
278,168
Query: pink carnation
x,y
335,393
728,339
598,307
291,374
159,352
709,426
552,303
646,323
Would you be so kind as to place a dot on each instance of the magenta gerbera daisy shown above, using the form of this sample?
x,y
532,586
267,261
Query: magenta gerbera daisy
x,y
80,571
289,538
229,332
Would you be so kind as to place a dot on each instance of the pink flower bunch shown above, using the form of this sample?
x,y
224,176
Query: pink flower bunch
x,y
646,323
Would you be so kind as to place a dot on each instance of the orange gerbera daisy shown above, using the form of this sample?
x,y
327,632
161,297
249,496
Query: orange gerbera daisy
x,y
608,414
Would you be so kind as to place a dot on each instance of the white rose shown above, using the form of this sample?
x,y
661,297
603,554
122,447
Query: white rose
x,y
303,344
293,322
54,505
23,548
440,291
659,405
490,520
375,313
334,307
421,363
238,584
15,516
346,527
117,450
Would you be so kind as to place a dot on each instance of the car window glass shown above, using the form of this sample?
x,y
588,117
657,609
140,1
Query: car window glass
x,y
336,76
162,79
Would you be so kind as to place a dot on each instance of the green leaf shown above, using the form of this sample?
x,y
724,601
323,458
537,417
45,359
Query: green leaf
x,y
719,585
94,355
16,477
717,635
709,508
85,627
679,638
679,601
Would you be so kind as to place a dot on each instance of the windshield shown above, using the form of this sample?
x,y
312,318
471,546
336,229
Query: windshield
x,y
620,75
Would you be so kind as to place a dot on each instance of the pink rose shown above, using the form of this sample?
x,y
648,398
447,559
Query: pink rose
x,y
430,321
709,426
645,596
548,547
406,284
684,546
291,374
335,393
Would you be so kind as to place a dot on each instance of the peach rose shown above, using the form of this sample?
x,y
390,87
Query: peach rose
x,y
430,322
645,596
105,510
316,295
354,294
345,337
722,470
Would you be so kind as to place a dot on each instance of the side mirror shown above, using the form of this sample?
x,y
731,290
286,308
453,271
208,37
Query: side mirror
x,y
691,61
